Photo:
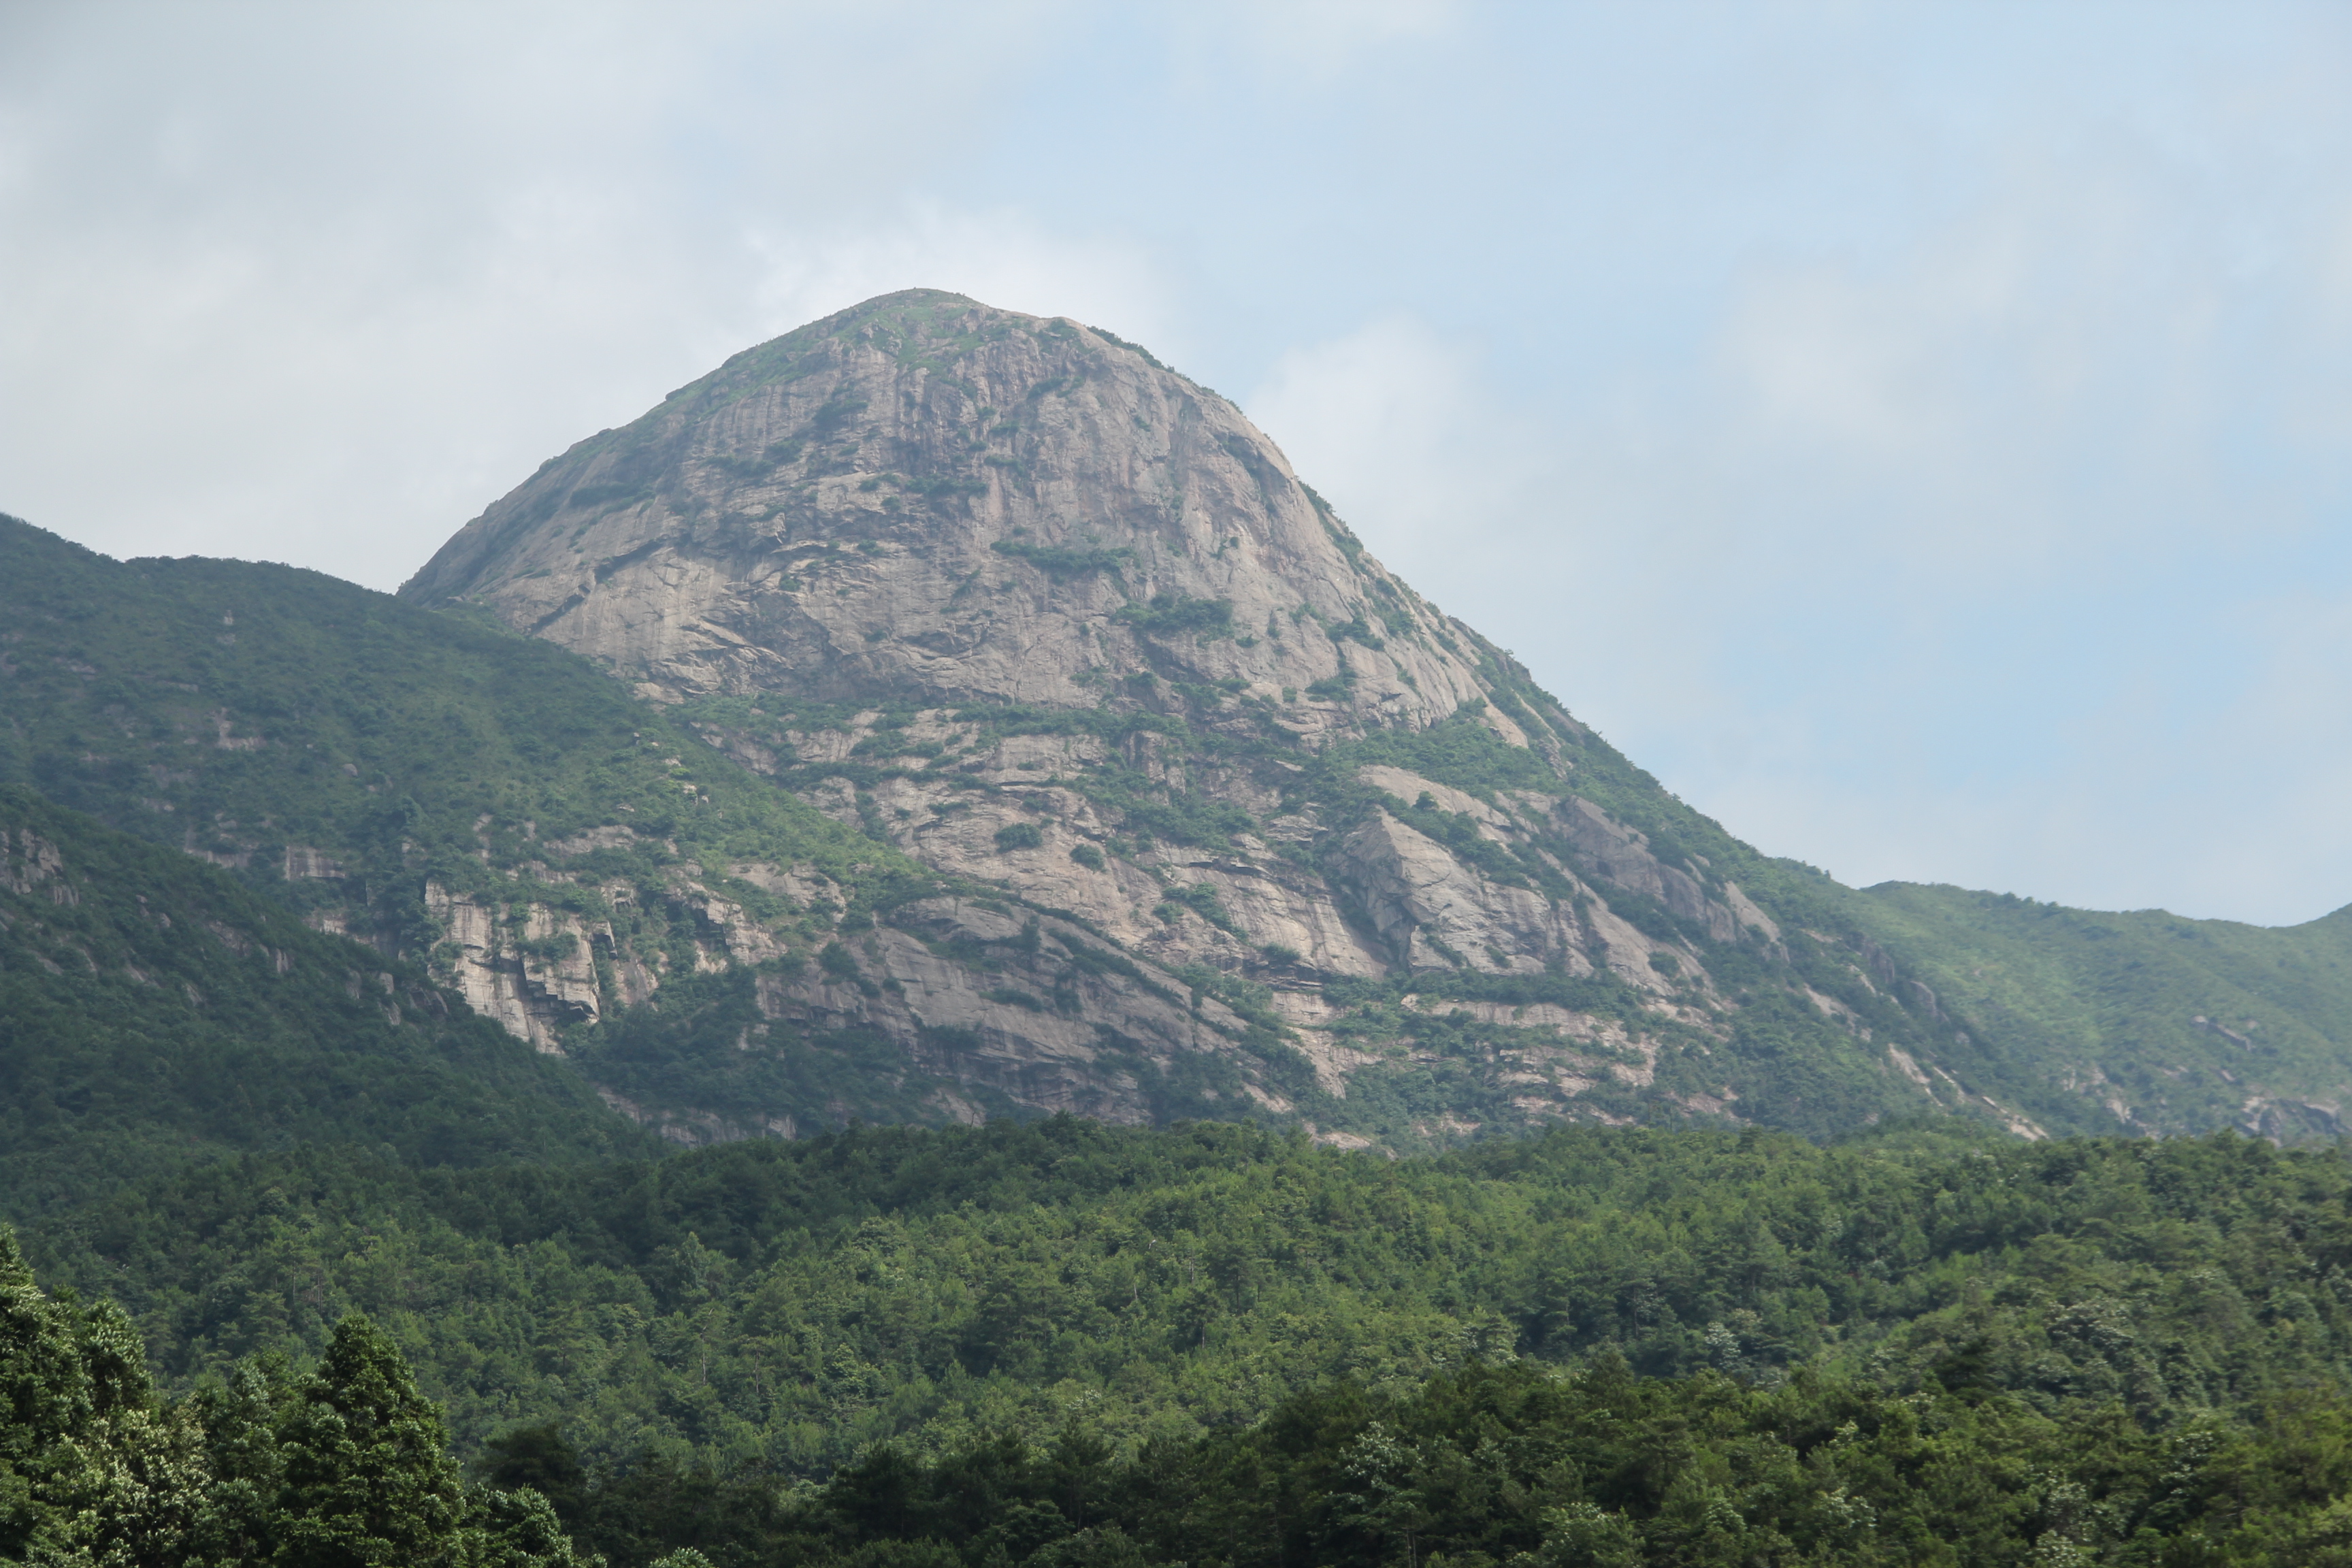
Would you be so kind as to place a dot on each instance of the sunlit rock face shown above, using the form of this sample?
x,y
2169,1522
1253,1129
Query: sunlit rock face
x,y
927,498
1008,594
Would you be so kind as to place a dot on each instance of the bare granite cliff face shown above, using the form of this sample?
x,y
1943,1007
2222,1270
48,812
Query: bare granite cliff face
x,y
927,500
1009,596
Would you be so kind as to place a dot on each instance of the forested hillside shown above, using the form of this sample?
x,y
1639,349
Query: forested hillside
x,y
342,1462
155,1013
786,1306
2165,1021
1072,1344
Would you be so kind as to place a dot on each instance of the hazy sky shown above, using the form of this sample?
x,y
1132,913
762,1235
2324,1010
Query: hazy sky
x,y
1920,434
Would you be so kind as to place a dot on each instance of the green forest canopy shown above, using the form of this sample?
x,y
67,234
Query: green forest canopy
x,y
1064,1343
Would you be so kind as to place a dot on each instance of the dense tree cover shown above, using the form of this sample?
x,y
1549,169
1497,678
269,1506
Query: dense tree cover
x,y
1532,1468
343,1466
154,1010
786,1306
1497,1463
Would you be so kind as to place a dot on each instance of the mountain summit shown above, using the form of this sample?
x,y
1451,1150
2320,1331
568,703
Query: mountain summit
x,y
926,499
1013,731
1013,595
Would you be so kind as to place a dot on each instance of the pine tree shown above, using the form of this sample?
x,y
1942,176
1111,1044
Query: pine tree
x,y
239,1418
367,1480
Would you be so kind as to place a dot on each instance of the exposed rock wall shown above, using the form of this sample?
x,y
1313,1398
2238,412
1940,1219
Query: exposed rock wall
x,y
1011,596
925,498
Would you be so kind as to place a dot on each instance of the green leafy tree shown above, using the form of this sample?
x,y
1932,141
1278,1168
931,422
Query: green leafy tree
x,y
367,1482
538,1457
92,1469
239,1415
519,1530
1582,1536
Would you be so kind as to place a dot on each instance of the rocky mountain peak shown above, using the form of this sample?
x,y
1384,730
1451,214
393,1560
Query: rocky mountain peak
x,y
1017,734
927,497
1009,596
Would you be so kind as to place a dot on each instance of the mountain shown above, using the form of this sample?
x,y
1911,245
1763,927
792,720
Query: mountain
x,y
1003,728
1010,595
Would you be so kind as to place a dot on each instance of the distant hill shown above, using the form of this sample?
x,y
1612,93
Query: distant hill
x,y
2167,1023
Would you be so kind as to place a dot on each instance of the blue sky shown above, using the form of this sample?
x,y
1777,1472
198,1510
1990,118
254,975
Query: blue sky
x,y
1920,434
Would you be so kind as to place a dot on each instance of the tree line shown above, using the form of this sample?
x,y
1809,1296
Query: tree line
x,y
1500,1463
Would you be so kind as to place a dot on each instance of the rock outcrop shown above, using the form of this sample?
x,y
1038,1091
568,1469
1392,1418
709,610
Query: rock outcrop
x,y
926,499
1011,596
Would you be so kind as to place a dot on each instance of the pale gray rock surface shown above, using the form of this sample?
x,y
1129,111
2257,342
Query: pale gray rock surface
x,y
927,498
1008,595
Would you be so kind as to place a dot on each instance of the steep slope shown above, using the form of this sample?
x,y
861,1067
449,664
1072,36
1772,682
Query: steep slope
x,y
1012,731
2166,1022
154,1012
1016,597
567,857
926,506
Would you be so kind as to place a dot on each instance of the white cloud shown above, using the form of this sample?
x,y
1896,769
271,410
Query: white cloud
x,y
1428,453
